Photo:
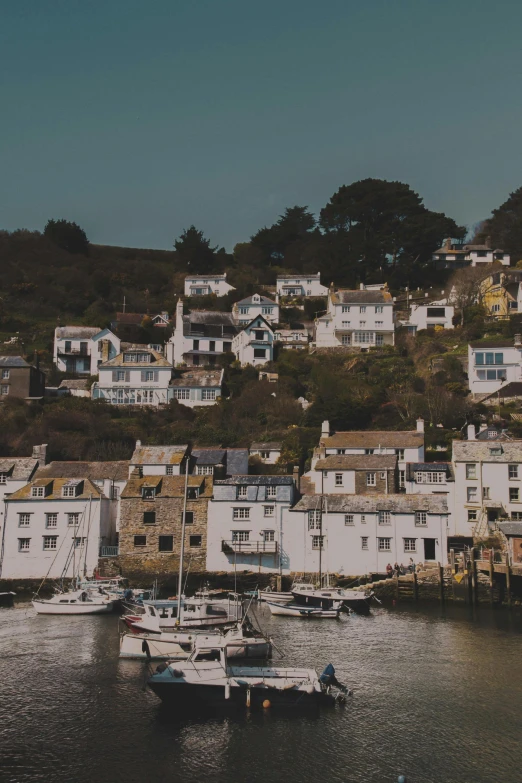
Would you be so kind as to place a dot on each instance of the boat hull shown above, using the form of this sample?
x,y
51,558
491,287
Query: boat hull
x,y
356,602
276,598
44,607
161,650
180,696
306,612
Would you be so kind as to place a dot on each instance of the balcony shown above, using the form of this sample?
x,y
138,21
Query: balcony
x,y
72,352
249,547
109,551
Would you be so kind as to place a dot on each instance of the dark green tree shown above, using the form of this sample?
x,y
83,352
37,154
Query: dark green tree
x,y
195,253
66,235
282,243
504,227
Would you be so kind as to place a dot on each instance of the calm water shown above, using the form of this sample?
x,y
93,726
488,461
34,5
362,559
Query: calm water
x,y
437,697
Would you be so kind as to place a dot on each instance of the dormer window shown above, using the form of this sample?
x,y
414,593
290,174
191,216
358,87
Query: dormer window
x,y
192,493
148,493
3,478
496,451
242,491
38,492
70,490
129,357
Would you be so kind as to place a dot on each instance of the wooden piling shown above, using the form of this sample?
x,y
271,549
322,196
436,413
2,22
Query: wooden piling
x,y
508,580
397,587
415,587
491,574
441,582
474,588
453,570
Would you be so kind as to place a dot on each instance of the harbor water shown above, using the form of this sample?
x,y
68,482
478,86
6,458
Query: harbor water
x,y
437,697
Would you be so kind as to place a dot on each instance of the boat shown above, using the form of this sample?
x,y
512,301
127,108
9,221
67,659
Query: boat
x,y
325,598
179,644
274,597
159,616
295,610
206,679
7,599
75,602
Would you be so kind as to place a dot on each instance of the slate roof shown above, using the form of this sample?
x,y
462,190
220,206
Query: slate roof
x,y
158,360
76,332
475,450
435,504
167,486
116,471
274,445
199,378
361,297
158,455
510,343
511,528
237,462
371,439
357,462
209,456
258,481
13,361
18,468
54,490
263,300
206,277
307,276
130,319
209,317
71,383
433,467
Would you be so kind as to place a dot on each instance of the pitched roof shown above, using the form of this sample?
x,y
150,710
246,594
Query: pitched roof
x,y
371,439
484,345
206,277
263,300
510,528
158,360
432,467
76,332
54,490
307,276
116,471
158,455
18,468
256,481
274,445
362,297
209,456
512,389
209,317
13,361
357,462
167,486
197,378
72,383
435,504
475,450
130,318
237,462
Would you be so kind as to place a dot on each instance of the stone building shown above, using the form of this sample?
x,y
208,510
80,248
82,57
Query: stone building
x,y
20,379
151,522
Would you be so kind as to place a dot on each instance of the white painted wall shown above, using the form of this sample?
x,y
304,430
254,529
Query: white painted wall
x,y
422,317
92,356
200,285
507,363
301,285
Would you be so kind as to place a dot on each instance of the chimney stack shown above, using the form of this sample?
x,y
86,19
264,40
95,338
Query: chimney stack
x,y
179,314
138,444
361,286
420,425
325,429
471,432
518,339
447,244
40,453
483,427
488,242
295,476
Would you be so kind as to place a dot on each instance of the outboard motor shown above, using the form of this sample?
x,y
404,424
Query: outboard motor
x,y
328,678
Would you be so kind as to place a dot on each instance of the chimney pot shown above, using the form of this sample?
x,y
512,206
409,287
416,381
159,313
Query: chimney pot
x,y
420,425
483,427
471,432
361,286
138,443
325,429
518,339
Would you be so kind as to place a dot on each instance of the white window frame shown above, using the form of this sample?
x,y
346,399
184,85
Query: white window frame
x,y
182,394
50,543
384,544
51,519
318,542
268,511
349,520
240,536
24,519
314,519
512,469
38,492
338,479
24,544
364,543
471,471
384,518
205,470
472,494
208,394
268,535
242,491
410,545
421,518
241,512
371,479
271,491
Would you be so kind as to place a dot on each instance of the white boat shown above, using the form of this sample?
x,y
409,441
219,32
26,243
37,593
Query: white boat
x,y
77,602
160,616
274,596
327,597
179,645
307,612
206,680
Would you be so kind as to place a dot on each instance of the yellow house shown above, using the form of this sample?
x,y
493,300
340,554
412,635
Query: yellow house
x,y
501,293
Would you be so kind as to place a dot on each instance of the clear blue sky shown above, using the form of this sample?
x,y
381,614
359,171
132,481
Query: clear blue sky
x,y
136,118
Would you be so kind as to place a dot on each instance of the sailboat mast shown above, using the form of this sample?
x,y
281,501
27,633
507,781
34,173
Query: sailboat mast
x,y
321,543
182,545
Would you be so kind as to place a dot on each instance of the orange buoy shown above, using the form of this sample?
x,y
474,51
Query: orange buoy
x,y
266,704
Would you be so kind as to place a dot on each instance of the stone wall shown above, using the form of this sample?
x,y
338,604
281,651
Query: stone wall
x,y
382,484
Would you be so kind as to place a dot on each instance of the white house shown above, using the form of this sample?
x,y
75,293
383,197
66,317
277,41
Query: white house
x,y
203,285
137,376
353,474
300,285
268,453
493,363
55,527
430,478
456,255
200,337
245,524
359,319
219,462
294,339
158,460
247,309
488,483
429,316
361,534
81,349
198,386
15,472
255,343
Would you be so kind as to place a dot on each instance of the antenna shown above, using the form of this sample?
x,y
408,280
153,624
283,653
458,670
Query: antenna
x,y
124,304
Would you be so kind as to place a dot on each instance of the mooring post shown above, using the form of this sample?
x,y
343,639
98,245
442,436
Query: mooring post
x,y
474,588
397,587
508,579
452,568
491,573
415,587
441,582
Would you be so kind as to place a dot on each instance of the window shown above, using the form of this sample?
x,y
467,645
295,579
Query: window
x,y
345,309
496,451
140,540
241,513
379,323
345,323
195,541
421,518
264,454
243,311
364,542
338,479
513,471
489,358
379,339
382,475
471,471
384,518
268,535
182,394
267,310
362,309
205,470
513,494
363,519
189,517
24,520
363,338
349,519
69,491
115,493
192,493
410,544
4,389
165,543
271,492
472,514
259,334
341,451
208,394
38,492
23,544
149,375
5,375
79,542
3,478
314,519
384,544
148,493
144,358
240,535
516,515
120,375
68,346
362,324
402,479
346,339
242,491
317,542
485,493
472,494
149,517
50,542
268,511
73,519
169,470
212,345
369,451
259,353
379,309
51,520
371,480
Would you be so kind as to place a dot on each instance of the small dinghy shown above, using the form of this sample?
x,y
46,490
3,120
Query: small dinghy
x,y
77,602
274,597
308,612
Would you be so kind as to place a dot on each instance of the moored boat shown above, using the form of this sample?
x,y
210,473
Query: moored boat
x,y
178,645
326,598
161,616
307,612
274,596
76,602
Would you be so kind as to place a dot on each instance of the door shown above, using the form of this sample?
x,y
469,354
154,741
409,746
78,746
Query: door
x,y
517,550
429,549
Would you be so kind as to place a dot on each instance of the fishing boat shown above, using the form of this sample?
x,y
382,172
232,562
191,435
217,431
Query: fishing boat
x,y
307,612
326,598
75,602
206,679
159,616
179,644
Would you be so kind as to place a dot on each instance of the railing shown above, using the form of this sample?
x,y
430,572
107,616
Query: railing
x,y
109,551
72,352
249,547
